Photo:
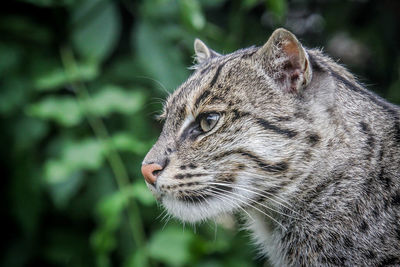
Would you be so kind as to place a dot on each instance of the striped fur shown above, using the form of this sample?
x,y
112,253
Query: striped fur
x,y
309,156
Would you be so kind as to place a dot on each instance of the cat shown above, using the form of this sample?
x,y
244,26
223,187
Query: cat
x,y
290,139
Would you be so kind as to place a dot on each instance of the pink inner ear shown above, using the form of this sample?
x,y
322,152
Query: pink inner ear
x,y
293,69
291,49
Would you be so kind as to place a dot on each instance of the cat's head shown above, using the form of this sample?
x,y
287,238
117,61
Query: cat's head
x,y
230,138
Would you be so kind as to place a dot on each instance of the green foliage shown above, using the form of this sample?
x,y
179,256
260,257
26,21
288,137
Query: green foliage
x,y
80,83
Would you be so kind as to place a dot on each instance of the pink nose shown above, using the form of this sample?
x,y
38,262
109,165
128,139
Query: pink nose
x,y
150,173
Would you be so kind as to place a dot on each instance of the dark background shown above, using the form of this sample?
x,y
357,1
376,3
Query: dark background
x,y
80,83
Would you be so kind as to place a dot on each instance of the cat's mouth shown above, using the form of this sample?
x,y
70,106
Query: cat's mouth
x,y
194,198
194,205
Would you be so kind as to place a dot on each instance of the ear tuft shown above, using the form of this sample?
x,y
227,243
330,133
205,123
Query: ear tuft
x,y
203,53
285,61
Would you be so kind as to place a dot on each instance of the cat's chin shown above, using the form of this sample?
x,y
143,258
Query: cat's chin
x,y
193,212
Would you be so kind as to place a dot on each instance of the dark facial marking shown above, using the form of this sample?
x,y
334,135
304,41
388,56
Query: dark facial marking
x,y
313,139
283,118
271,127
370,254
263,165
367,130
277,167
192,166
204,95
364,226
390,260
237,114
214,79
206,69
188,175
396,199
194,198
348,242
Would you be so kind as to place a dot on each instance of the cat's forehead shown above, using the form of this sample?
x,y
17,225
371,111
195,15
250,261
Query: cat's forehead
x,y
207,84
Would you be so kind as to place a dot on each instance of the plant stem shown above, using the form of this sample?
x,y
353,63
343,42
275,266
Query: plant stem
x,y
113,157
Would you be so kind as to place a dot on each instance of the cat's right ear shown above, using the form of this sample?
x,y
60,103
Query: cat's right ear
x,y
286,61
203,52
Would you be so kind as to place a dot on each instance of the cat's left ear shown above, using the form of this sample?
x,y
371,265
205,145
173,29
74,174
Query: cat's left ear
x,y
285,60
203,52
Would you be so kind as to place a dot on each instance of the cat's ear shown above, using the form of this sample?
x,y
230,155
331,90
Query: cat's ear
x,y
203,53
285,61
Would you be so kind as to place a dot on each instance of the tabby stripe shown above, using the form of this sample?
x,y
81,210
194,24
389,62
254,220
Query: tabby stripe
x,y
269,126
189,175
392,112
207,92
214,79
370,140
201,97
263,165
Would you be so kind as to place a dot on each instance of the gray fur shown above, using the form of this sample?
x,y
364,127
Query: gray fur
x,y
309,156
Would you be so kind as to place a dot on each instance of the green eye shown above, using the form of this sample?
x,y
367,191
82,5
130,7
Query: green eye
x,y
208,121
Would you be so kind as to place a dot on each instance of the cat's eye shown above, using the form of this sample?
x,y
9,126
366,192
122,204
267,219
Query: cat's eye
x,y
208,121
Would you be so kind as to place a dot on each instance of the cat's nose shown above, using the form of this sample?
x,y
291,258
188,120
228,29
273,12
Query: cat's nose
x,y
151,171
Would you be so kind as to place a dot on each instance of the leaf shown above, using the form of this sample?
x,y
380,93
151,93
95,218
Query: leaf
x,y
87,154
249,4
38,129
110,207
11,57
137,258
127,142
114,99
160,59
55,77
278,8
96,28
63,110
142,193
13,94
50,3
192,14
63,191
172,246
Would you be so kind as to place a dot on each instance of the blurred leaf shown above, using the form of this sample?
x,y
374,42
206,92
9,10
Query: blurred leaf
x,y
64,110
63,191
110,206
114,99
159,57
96,28
50,3
212,3
109,214
142,193
37,130
13,94
87,154
172,246
56,77
127,142
248,4
67,112
25,29
159,9
192,14
103,242
11,56
136,259
394,91
278,8
63,246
